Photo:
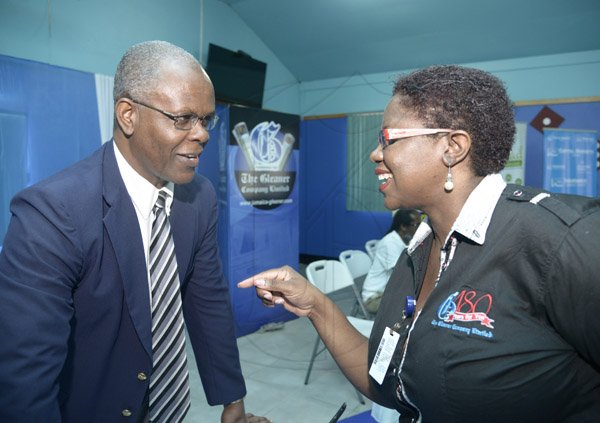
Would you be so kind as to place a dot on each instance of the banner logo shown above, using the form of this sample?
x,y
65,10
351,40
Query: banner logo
x,y
267,183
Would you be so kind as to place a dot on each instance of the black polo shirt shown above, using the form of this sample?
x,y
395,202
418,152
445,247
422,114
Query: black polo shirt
x,y
511,332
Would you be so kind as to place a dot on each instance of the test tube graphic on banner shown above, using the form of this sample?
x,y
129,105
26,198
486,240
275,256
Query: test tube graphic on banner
x,y
240,132
287,146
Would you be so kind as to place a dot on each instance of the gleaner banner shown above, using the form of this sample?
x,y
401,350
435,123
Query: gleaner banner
x,y
259,203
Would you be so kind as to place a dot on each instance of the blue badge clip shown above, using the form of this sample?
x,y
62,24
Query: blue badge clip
x,y
409,306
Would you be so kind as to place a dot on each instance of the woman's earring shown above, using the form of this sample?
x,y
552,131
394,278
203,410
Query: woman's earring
x,y
449,185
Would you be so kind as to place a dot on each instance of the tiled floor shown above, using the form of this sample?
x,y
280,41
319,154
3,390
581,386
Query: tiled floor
x,y
274,364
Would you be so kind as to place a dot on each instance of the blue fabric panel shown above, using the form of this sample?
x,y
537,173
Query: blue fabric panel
x,y
213,158
212,163
61,115
13,173
250,240
260,236
326,227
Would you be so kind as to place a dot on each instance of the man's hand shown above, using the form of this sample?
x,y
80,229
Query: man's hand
x,y
256,419
235,413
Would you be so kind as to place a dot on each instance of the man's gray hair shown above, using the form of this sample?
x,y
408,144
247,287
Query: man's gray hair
x,y
141,64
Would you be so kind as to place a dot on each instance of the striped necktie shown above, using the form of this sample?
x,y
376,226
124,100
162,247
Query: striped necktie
x,y
169,396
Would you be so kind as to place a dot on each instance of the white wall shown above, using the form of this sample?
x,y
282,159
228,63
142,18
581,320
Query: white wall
x,y
92,35
533,78
223,27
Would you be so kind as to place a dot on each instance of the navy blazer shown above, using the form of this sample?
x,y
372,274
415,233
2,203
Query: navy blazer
x,y
75,323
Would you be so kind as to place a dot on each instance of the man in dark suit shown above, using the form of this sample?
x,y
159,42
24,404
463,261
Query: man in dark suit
x,y
76,304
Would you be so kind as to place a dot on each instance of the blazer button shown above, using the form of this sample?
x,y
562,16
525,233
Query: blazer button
x,y
126,413
142,376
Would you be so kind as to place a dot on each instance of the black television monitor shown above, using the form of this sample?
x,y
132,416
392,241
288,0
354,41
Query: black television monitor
x,y
236,77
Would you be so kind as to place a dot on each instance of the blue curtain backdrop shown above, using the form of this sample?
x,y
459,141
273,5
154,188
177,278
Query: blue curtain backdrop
x,y
326,226
48,120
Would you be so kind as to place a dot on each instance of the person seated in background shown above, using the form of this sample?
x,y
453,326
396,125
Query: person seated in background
x,y
388,249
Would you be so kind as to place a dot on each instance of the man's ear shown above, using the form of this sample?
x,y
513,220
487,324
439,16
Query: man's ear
x,y
457,148
126,116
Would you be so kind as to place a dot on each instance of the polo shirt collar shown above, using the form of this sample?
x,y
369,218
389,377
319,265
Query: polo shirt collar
x,y
475,215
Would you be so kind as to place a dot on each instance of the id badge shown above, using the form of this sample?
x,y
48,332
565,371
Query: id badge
x,y
383,356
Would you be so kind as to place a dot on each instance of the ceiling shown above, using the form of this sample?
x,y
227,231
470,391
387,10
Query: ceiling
x,y
320,39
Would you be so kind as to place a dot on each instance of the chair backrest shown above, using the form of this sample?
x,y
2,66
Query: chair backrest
x,y
329,275
357,261
370,247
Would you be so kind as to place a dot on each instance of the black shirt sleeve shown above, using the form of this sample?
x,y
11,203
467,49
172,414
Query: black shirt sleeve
x,y
572,291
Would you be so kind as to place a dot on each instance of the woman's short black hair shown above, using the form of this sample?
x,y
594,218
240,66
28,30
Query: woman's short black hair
x,y
475,101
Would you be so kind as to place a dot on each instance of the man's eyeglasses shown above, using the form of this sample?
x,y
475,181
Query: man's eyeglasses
x,y
186,122
389,136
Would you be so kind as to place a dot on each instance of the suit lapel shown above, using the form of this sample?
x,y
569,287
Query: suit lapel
x,y
120,221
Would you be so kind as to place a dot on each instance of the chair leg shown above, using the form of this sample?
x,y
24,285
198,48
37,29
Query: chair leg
x,y
312,359
355,308
360,303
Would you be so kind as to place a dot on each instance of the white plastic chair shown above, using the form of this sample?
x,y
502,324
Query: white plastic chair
x,y
330,276
370,247
358,263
